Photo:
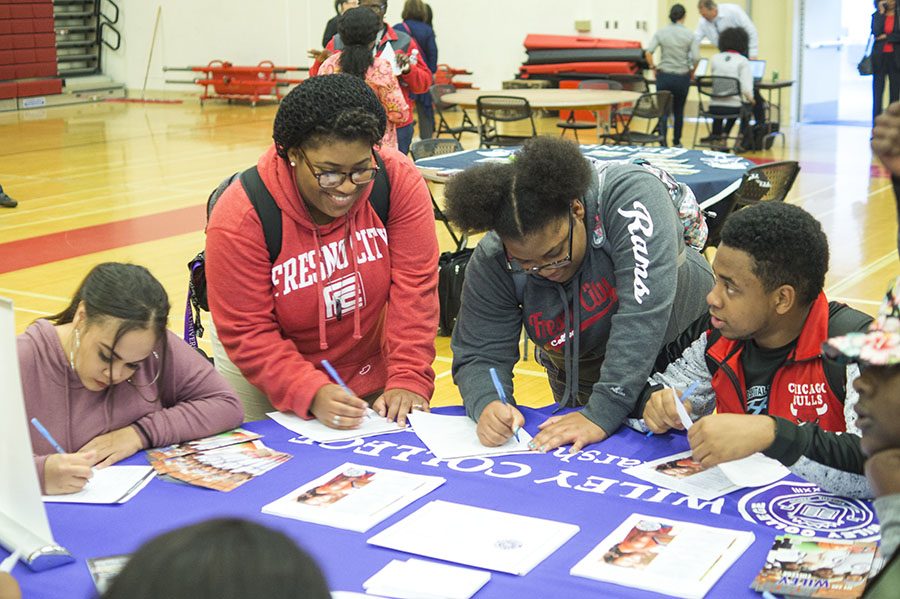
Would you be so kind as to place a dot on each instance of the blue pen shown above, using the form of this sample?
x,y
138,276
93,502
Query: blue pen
x,y
687,393
46,434
502,395
337,379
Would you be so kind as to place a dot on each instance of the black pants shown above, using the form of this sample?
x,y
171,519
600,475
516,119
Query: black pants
x,y
892,74
678,85
718,129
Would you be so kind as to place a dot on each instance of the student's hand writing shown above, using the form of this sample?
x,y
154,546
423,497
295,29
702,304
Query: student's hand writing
x,y
660,414
886,137
497,423
67,472
725,437
572,428
883,472
114,446
395,404
336,408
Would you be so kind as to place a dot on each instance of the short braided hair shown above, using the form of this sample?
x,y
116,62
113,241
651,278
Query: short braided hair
x,y
336,106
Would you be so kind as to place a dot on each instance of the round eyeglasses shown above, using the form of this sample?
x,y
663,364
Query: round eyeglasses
x,y
514,266
332,179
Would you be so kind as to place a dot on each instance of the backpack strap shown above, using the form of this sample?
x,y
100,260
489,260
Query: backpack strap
x,y
842,319
380,198
265,206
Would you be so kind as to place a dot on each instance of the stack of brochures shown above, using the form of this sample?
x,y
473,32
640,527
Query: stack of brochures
x,y
418,579
680,559
353,497
222,462
476,537
798,566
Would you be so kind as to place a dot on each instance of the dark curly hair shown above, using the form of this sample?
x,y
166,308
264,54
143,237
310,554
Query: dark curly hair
x,y
336,106
735,39
676,13
786,243
358,28
518,199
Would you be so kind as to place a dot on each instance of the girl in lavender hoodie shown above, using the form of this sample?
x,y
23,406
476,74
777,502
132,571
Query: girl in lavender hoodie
x,y
107,379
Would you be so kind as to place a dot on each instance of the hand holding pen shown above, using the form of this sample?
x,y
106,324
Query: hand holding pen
x,y
64,472
336,405
499,420
665,410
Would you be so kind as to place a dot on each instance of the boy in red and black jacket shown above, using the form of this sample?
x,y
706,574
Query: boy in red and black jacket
x,y
758,360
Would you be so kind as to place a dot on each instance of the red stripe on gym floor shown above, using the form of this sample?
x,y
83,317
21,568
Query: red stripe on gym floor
x,y
44,249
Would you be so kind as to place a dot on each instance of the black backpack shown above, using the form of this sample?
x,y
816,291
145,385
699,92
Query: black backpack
x,y
270,216
451,276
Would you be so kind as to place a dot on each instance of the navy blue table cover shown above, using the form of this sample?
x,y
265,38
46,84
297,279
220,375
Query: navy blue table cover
x,y
588,489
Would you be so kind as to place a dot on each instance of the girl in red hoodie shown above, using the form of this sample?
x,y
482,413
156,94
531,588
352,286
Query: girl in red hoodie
x,y
345,287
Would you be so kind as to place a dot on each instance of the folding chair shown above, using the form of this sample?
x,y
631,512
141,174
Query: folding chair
x,y
767,183
495,112
764,183
650,110
570,124
427,148
712,87
630,83
437,92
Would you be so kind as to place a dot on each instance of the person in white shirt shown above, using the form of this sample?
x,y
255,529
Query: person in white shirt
x,y
716,18
719,17
731,61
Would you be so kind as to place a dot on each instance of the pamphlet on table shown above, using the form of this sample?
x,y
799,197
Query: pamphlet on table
x,y
667,556
353,497
680,472
222,469
803,567
475,536
420,579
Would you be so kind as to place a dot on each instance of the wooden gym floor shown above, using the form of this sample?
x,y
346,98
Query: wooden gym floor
x,y
129,182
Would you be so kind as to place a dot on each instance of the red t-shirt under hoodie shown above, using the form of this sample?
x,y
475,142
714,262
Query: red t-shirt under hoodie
x,y
279,321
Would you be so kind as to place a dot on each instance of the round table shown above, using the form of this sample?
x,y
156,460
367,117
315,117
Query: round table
x,y
550,99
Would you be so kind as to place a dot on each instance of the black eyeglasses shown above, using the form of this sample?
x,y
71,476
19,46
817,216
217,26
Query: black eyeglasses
x,y
515,267
332,179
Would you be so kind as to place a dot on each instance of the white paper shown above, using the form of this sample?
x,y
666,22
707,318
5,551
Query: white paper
x,y
449,437
755,470
114,484
373,424
418,579
353,497
388,54
476,537
681,473
676,558
682,413
352,595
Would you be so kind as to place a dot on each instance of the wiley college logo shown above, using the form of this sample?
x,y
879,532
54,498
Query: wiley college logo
x,y
800,508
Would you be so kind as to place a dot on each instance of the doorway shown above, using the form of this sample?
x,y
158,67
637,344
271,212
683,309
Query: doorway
x,y
833,37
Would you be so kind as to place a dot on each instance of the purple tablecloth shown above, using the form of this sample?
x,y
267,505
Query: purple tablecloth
x,y
589,490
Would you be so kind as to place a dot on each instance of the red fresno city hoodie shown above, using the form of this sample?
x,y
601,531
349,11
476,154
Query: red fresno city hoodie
x,y
374,318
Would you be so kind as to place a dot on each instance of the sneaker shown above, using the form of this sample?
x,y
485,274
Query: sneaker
x,y
709,138
7,202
